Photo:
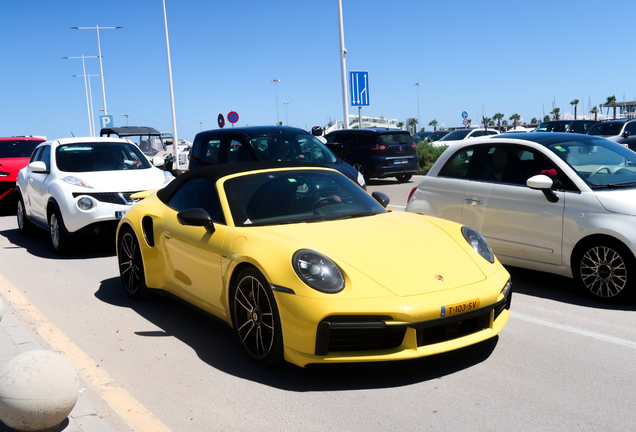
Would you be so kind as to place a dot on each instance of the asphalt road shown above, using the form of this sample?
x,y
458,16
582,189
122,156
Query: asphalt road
x,y
563,363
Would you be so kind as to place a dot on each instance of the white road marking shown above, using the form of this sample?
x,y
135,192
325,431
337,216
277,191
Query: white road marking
x,y
564,327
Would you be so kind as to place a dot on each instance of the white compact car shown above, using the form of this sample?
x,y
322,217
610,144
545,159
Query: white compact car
x,y
555,202
82,186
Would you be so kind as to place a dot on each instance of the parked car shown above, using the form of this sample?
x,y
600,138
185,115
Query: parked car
x,y
14,155
560,203
282,252
573,126
82,186
462,134
265,143
429,136
377,152
620,131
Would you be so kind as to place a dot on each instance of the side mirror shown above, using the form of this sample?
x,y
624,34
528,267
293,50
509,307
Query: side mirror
x,y
196,217
625,134
158,161
38,167
544,184
382,198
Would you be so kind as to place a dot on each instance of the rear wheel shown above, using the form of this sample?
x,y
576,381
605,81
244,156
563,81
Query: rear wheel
x,y
256,319
606,270
59,235
25,226
131,266
403,178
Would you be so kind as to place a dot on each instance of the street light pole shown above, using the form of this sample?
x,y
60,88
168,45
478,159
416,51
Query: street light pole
x,y
286,117
276,81
125,115
174,118
101,66
418,104
343,68
89,106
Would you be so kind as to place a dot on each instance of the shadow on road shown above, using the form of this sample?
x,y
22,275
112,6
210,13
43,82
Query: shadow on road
x,y
215,344
557,288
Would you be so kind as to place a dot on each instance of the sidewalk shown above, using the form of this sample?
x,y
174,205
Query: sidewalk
x,y
14,340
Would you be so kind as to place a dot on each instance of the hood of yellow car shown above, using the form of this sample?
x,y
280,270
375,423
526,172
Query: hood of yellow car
x,y
403,252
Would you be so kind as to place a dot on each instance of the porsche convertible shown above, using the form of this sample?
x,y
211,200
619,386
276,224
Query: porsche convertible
x,y
306,267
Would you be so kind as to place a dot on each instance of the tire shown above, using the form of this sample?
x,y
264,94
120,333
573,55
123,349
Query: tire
x,y
59,235
131,266
361,169
25,226
256,319
403,178
605,269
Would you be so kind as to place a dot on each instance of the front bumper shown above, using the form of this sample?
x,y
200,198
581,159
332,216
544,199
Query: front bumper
x,y
401,328
108,208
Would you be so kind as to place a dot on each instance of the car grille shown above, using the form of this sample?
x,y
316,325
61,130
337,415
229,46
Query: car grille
x,y
122,198
365,333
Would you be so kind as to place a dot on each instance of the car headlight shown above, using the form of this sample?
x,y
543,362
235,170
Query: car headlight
x,y
506,289
76,182
361,181
478,243
167,177
85,203
318,271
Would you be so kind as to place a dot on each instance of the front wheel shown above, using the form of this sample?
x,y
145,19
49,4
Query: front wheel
x,y
606,270
256,320
59,236
131,266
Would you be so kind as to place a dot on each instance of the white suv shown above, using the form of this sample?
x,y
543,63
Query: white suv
x,y
82,186
462,134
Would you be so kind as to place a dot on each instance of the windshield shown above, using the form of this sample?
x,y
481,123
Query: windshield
x,y
150,145
552,127
456,135
292,147
606,129
601,163
296,196
84,157
17,148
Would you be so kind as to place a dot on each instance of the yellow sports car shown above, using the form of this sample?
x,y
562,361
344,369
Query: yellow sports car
x,y
307,267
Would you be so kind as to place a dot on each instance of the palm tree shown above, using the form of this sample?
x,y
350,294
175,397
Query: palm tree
x,y
498,116
611,101
434,124
487,121
594,111
534,120
515,117
546,118
575,102
555,112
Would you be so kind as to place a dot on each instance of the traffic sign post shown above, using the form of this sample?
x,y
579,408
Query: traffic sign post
x,y
464,115
359,84
221,121
106,121
232,117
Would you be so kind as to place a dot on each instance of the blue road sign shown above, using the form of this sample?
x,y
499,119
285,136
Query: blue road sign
x,y
359,84
106,121
464,115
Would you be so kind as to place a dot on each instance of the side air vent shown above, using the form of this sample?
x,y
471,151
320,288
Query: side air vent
x,y
147,226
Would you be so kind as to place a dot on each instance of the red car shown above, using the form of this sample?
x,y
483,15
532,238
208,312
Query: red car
x,y
15,153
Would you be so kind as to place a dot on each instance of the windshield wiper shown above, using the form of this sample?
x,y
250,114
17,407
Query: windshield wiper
x,y
614,185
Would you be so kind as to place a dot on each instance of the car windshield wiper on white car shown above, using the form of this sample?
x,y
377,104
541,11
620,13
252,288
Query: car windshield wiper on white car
x,y
614,185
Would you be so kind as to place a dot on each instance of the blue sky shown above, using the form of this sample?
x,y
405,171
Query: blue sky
x,y
492,56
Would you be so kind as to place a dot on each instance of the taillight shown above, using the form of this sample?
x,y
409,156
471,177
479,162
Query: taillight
x,y
411,194
378,147
414,146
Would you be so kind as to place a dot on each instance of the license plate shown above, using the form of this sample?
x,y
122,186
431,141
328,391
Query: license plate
x,y
458,308
400,161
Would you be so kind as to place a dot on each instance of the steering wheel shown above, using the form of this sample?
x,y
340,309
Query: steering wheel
x,y
598,170
321,202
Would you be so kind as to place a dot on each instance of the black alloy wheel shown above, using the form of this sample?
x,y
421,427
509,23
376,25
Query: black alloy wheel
x,y
256,320
131,266
606,271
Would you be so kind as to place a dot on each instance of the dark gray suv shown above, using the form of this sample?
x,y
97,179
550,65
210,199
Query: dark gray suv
x,y
377,152
620,131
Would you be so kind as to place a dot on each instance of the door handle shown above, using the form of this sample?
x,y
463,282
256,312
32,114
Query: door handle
x,y
473,202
